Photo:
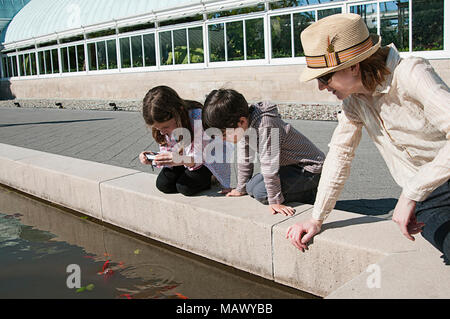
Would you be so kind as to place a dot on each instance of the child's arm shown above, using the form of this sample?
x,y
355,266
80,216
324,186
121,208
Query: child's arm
x,y
245,157
271,137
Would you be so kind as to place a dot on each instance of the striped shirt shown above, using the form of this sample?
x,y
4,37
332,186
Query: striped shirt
x,y
408,119
277,144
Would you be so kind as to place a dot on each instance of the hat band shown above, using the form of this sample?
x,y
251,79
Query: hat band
x,y
335,58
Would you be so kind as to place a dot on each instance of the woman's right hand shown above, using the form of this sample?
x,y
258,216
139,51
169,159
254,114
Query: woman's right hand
x,y
300,234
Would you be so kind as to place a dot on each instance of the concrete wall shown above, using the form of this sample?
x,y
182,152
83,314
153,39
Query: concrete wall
x,y
274,83
251,239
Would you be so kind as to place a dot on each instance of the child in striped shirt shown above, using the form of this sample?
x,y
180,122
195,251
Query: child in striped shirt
x,y
290,163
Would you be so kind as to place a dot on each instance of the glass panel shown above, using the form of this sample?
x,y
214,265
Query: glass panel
x,y
180,46
136,27
301,21
9,67
81,58
14,65
259,7
48,64
55,61
165,47
41,62
196,53
428,25
102,33
254,31
125,58
112,54
394,21
4,67
136,49
149,50
369,13
21,66
92,56
235,40
33,63
328,12
297,3
27,64
72,60
65,60
280,29
216,42
198,17
101,55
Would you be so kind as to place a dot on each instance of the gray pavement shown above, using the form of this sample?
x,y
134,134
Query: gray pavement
x,y
117,138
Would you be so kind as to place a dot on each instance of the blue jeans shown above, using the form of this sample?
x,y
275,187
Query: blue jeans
x,y
435,213
297,185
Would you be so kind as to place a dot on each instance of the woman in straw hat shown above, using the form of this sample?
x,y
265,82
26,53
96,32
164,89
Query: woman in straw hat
x,y
405,108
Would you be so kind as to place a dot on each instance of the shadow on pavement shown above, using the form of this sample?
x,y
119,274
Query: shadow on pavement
x,y
55,122
382,207
351,222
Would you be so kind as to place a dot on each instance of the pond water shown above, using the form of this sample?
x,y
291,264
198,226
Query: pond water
x,y
50,252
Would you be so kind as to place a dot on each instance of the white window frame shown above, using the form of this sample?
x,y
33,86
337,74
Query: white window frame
x,y
230,19
186,27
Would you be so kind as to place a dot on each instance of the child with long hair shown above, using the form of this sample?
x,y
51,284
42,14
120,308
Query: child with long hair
x,y
181,158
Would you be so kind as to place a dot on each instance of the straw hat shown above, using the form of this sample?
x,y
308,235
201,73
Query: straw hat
x,y
335,43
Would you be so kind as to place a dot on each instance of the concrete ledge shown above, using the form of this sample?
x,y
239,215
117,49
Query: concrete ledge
x,y
72,183
239,232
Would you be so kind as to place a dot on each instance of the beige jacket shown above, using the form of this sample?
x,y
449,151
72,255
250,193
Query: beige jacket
x,y
408,119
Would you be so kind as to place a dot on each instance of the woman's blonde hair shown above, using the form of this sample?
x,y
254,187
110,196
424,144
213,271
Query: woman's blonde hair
x,y
373,69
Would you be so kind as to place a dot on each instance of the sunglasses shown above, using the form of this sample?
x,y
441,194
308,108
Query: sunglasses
x,y
325,79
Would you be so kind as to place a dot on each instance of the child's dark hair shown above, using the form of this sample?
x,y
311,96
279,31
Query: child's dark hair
x,y
223,109
162,104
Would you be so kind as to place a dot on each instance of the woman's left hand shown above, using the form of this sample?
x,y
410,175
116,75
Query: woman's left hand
x,y
405,217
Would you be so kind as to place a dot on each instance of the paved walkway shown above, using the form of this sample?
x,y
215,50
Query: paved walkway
x,y
116,138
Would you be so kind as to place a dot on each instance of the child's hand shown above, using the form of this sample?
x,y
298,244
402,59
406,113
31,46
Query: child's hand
x,y
224,191
164,159
143,159
235,193
279,208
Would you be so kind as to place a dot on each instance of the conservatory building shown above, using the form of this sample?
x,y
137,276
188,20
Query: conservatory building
x,y
113,50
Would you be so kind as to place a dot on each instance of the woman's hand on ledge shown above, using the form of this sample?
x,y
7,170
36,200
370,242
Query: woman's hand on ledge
x,y
404,216
301,233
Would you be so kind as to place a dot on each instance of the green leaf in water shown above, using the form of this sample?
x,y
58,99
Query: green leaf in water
x,y
90,287
81,289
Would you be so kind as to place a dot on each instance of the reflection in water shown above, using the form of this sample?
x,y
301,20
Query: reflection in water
x,y
38,242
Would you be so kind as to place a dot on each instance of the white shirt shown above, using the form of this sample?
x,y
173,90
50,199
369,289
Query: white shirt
x,y
408,119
